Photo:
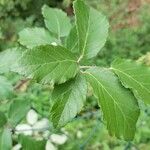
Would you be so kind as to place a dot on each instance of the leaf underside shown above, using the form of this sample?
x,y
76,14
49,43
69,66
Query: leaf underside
x,y
56,21
32,37
119,106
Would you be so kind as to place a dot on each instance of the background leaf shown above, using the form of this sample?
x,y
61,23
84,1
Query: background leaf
x,y
8,58
28,143
17,111
6,88
134,76
5,140
69,99
56,21
31,37
48,64
3,119
92,28
119,106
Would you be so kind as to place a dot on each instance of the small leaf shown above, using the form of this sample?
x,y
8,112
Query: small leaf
x,y
5,140
3,119
56,21
8,58
92,28
32,37
6,88
68,100
119,106
48,64
72,41
28,143
18,110
135,76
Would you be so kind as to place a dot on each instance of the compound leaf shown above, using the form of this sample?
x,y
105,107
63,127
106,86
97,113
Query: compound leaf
x,y
56,21
68,100
135,76
92,28
119,106
48,64
31,37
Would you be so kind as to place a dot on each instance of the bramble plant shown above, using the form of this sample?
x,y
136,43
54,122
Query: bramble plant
x,y
59,56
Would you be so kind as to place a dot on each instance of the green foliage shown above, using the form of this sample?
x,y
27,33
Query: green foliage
x,y
5,139
134,76
11,56
29,143
57,65
89,22
118,104
6,88
60,24
17,111
69,99
125,40
3,119
48,64
40,36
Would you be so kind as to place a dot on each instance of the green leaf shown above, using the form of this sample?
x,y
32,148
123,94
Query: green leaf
x,y
72,41
119,106
8,58
3,119
6,88
32,37
92,28
5,140
17,111
48,64
56,21
28,143
68,100
135,76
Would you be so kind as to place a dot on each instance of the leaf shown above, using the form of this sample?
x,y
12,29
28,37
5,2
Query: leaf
x,y
8,58
6,88
68,100
134,76
48,64
32,37
28,143
3,119
92,28
119,106
17,111
72,41
56,21
5,140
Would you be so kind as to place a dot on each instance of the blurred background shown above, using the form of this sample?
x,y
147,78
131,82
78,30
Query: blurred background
x,y
129,37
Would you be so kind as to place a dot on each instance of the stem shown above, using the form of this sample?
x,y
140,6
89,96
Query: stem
x,y
80,58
